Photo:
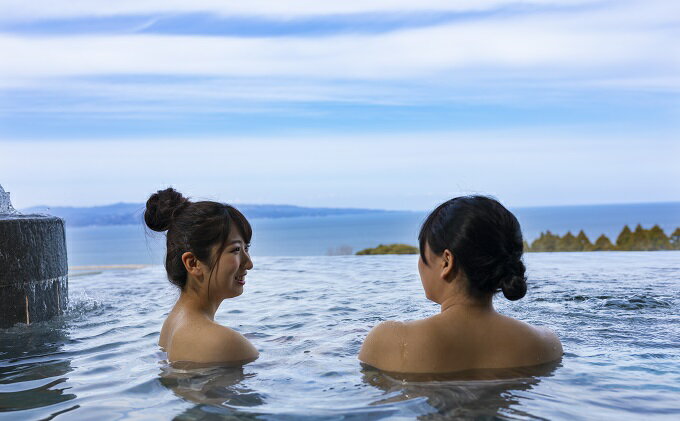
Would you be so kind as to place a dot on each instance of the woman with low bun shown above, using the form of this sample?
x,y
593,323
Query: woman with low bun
x,y
207,259
470,248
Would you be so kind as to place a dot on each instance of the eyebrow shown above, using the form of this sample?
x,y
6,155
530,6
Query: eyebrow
x,y
236,241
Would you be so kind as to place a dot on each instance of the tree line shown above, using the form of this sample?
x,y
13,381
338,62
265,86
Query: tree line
x,y
389,249
640,239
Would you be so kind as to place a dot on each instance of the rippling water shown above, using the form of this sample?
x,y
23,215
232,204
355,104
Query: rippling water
x,y
618,315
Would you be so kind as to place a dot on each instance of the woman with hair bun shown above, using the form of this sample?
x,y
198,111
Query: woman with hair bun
x,y
207,259
470,248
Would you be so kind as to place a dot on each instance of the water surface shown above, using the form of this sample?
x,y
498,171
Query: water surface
x,y
618,315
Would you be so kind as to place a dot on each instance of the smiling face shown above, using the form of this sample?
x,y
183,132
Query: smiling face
x,y
228,275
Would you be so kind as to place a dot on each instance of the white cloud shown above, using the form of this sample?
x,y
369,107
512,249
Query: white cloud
x,y
40,9
628,45
197,95
399,171
492,46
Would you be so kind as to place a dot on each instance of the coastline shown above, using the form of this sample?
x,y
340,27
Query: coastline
x,y
106,267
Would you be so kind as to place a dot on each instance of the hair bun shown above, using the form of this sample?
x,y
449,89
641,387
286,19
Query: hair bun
x,y
514,286
162,207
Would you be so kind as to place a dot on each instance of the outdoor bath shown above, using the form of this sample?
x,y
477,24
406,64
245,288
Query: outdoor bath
x,y
616,314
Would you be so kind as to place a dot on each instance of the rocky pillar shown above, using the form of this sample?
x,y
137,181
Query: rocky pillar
x,y
33,266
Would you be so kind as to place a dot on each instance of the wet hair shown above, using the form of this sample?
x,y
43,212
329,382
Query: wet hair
x,y
192,227
486,241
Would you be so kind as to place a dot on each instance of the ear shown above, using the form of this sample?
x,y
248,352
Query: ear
x,y
192,265
448,265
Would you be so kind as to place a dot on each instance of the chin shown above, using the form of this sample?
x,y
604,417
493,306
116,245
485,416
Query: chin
x,y
233,294
430,297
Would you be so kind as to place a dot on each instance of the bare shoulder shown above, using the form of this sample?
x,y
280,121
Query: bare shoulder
x,y
545,345
223,341
384,346
210,343
523,344
552,347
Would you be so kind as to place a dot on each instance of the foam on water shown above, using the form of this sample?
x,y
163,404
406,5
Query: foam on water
x,y
618,315
5,204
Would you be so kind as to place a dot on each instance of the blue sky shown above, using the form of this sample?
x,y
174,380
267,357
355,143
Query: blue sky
x,y
382,104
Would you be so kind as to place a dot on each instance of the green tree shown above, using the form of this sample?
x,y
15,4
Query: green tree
x,y
525,246
675,239
389,249
658,240
641,239
603,244
545,242
584,243
568,243
625,239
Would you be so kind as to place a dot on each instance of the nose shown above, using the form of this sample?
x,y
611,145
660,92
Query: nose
x,y
247,263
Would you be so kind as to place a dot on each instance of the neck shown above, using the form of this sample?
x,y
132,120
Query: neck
x,y
460,302
196,302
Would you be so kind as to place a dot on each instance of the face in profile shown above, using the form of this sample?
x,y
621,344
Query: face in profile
x,y
228,276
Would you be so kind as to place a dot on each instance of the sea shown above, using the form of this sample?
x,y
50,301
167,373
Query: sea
x,y
347,234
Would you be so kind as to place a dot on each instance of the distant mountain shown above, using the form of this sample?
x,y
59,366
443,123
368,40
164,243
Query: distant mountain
x,y
132,213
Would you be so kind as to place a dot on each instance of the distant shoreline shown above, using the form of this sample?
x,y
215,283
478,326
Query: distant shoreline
x,y
107,267
132,213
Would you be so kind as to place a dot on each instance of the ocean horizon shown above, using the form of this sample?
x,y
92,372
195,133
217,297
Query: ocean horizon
x,y
338,234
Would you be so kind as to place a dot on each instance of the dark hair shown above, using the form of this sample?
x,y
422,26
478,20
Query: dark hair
x,y
195,227
486,241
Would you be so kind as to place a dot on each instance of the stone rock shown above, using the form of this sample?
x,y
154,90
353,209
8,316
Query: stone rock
x,y
33,267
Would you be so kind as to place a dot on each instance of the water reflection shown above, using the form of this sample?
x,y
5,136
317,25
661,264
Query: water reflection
x,y
467,394
209,413
33,367
216,389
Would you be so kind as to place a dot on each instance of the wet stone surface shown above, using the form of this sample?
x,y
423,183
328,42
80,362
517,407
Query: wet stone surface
x,y
33,266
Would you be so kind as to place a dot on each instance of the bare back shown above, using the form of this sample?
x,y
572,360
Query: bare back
x,y
458,340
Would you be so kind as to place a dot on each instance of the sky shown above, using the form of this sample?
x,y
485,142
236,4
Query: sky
x,y
381,104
